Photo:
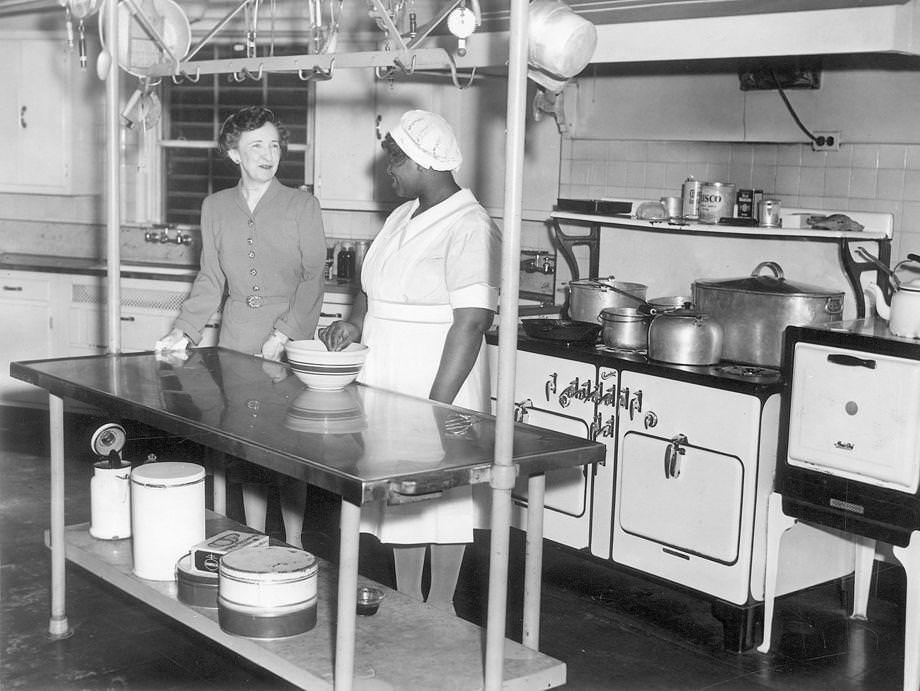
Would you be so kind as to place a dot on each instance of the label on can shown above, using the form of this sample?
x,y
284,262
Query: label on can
x,y
690,198
770,213
745,201
717,200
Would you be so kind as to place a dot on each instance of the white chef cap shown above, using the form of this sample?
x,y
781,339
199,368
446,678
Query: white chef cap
x,y
428,140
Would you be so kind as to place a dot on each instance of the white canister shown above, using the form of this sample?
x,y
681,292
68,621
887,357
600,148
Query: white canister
x,y
167,516
267,592
110,501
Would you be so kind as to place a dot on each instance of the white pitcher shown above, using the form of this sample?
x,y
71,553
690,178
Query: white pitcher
x,y
110,501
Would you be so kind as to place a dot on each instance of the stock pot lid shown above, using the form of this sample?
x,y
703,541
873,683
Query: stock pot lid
x,y
770,285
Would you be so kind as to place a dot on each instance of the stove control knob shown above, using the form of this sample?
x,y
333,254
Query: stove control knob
x,y
650,419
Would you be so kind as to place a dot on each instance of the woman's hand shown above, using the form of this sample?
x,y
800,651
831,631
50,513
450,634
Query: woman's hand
x,y
339,335
174,340
273,348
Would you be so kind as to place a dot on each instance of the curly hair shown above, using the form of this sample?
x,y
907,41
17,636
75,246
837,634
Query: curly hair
x,y
393,150
246,120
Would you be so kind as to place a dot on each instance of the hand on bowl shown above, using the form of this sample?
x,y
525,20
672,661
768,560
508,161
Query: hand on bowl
x,y
320,368
339,335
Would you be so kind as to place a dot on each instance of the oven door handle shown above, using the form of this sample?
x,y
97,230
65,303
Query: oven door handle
x,y
850,361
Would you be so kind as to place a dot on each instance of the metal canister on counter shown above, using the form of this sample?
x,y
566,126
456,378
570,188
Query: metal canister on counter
x,y
672,206
769,214
717,200
690,198
755,202
745,202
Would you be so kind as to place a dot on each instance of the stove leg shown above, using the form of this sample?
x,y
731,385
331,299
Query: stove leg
x,y
777,525
862,576
910,557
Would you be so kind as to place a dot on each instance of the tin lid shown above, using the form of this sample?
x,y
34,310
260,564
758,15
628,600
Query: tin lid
x,y
167,474
769,285
272,563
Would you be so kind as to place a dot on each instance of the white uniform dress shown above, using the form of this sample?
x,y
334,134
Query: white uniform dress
x,y
416,272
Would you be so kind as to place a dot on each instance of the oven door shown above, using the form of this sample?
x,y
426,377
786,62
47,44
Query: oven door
x,y
856,415
685,498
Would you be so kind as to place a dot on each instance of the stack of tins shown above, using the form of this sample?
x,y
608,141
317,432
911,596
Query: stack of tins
x,y
267,592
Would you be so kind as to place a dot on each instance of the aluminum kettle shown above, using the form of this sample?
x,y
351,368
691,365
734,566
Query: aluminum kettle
x,y
903,315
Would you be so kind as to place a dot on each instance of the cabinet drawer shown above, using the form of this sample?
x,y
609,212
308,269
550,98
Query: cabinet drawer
x,y
16,287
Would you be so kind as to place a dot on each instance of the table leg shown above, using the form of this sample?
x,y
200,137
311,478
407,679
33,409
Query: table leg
x,y
347,596
217,461
533,561
57,626
498,587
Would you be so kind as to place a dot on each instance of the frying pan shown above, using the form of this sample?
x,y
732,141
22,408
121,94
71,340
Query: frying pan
x,y
561,330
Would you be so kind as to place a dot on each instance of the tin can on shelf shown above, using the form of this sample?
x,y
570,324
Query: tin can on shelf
x,y
755,203
770,213
672,206
745,202
690,198
717,200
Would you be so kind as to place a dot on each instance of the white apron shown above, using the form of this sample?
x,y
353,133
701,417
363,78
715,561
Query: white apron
x,y
407,321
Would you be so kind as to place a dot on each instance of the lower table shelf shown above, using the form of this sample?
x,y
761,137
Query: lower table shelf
x,y
405,645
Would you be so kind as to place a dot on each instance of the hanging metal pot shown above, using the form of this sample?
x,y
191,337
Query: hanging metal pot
x,y
755,310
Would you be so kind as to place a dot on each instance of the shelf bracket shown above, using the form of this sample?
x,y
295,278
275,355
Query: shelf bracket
x,y
854,270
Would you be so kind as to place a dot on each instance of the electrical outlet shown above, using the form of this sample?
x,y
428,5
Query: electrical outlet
x,y
826,141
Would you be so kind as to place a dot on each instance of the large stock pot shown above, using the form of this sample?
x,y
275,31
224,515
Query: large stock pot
x,y
588,297
755,310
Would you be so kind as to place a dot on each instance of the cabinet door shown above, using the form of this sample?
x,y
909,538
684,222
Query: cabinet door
x,y
25,304
49,119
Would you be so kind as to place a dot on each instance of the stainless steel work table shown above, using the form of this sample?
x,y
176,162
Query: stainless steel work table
x,y
362,443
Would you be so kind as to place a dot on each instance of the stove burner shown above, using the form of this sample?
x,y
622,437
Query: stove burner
x,y
752,372
621,351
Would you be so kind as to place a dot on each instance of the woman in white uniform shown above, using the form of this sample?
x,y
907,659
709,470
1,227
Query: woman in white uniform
x,y
430,288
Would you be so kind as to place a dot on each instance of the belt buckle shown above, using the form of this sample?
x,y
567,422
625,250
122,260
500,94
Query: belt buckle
x,y
254,301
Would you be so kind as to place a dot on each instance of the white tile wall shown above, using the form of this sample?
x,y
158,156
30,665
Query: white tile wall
x,y
859,177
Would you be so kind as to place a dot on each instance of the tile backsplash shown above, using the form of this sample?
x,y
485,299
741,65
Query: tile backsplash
x,y
858,177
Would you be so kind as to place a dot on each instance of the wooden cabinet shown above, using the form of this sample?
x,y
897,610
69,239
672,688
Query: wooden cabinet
x,y
350,170
49,119
27,307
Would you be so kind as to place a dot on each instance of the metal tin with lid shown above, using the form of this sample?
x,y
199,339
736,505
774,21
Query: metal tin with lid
x,y
717,200
267,592
167,516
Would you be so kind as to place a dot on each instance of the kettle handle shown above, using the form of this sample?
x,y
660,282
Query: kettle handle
x,y
773,266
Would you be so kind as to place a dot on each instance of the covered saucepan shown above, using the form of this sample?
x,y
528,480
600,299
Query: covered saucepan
x,y
755,310
685,336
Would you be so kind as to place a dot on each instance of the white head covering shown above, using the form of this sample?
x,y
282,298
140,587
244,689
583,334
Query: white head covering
x,y
428,140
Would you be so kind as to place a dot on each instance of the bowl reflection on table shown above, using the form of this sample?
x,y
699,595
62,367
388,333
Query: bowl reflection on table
x,y
327,412
324,369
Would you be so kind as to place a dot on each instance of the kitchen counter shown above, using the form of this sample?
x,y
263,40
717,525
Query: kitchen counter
x,y
361,442
164,271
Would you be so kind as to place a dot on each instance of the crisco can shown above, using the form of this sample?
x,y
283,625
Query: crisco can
x,y
717,200
690,198
745,202
770,213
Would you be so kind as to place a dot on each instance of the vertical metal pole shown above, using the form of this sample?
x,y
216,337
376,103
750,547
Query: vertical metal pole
x,y
533,564
112,182
502,479
347,596
57,626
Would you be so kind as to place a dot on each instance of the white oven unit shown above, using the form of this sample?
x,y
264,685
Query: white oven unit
x,y
851,456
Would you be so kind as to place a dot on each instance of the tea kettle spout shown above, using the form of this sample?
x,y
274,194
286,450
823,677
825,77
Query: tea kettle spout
x,y
881,305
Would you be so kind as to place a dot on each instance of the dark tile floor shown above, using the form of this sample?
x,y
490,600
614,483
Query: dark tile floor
x,y
613,629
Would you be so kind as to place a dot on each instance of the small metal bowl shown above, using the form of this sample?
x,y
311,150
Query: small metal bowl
x,y
369,599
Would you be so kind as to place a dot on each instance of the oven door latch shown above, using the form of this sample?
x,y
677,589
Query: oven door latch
x,y
672,455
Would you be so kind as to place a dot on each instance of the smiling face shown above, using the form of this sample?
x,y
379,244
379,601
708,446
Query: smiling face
x,y
258,154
